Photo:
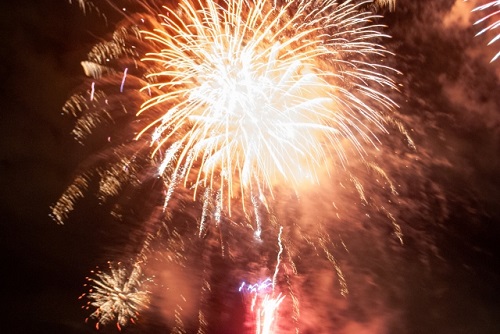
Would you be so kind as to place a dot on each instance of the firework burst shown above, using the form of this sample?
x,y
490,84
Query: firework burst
x,y
239,97
118,296
220,110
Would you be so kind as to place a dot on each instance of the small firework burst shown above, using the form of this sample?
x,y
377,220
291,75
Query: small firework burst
x,y
117,296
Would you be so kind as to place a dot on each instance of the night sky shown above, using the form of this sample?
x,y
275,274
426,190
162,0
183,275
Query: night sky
x,y
450,96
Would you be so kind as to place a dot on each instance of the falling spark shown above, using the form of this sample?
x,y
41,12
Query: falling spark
x,y
123,80
92,91
278,259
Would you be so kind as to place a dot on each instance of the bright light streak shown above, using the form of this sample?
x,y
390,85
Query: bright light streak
x,y
257,287
123,80
278,258
92,91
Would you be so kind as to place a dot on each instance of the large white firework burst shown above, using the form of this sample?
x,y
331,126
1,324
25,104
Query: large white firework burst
x,y
241,96
253,94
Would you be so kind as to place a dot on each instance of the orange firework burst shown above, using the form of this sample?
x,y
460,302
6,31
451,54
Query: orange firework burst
x,y
252,94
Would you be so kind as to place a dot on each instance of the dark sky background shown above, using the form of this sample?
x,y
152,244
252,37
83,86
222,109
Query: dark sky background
x,y
452,94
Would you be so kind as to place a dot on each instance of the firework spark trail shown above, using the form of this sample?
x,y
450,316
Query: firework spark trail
x,y
230,102
278,258
493,25
123,80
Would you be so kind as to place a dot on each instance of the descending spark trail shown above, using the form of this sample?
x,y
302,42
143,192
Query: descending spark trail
x,y
495,5
257,287
220,110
